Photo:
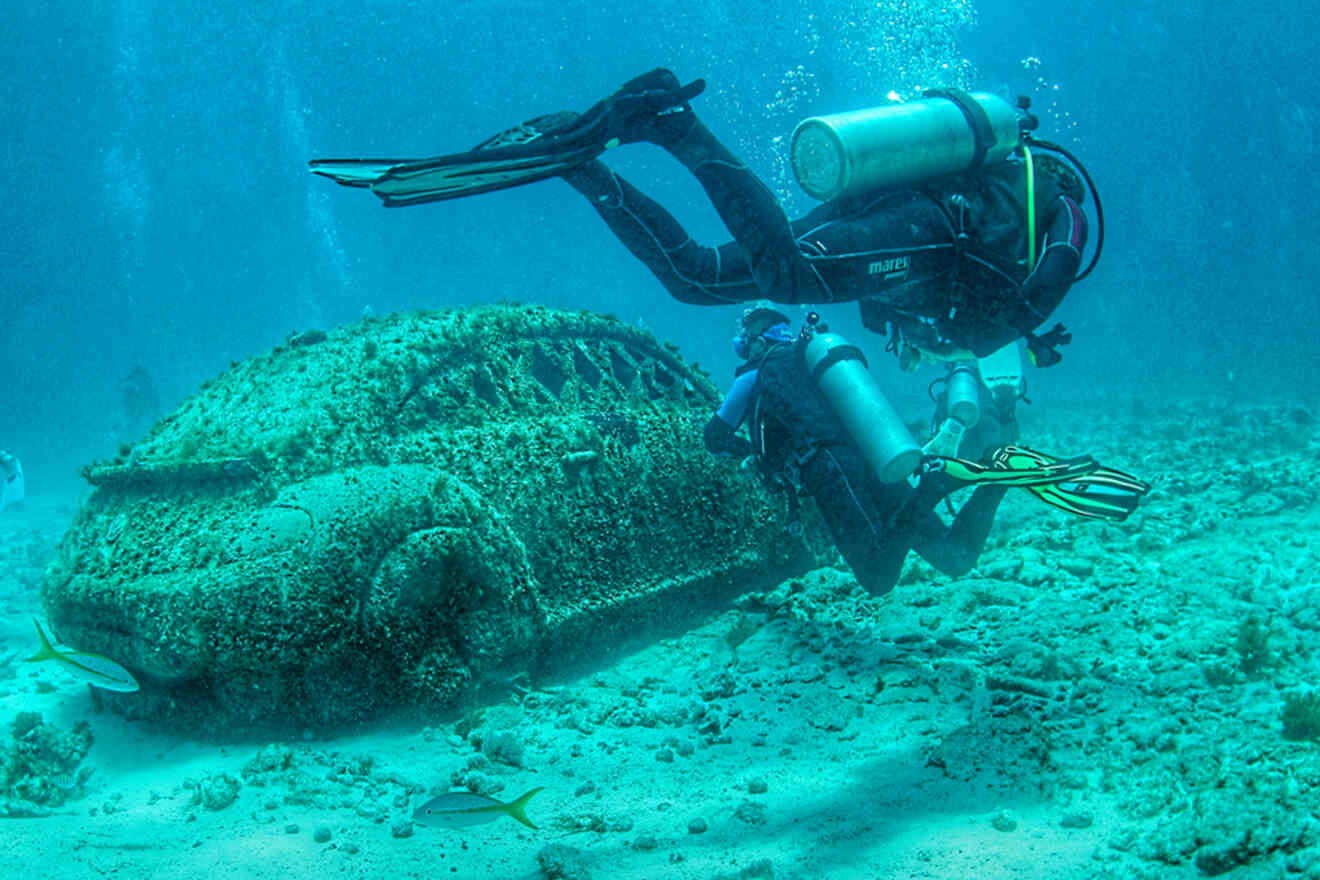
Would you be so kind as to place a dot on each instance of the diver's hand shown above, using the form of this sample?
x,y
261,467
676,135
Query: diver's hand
x,y
652,107
655,93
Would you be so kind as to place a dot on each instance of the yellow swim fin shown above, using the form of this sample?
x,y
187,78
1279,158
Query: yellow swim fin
x,y
1018,466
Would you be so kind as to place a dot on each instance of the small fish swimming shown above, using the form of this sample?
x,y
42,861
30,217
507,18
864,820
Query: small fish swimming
x,y
91,668
463,809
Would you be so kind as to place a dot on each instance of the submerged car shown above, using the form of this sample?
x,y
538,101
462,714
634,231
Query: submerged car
x,y
394,512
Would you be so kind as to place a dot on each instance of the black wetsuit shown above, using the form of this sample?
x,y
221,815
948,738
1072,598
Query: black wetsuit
x,y
873,524
942,268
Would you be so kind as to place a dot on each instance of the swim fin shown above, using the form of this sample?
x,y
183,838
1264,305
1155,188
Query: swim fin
x,y
528,152
1104,493
534,150
355,172
1017,466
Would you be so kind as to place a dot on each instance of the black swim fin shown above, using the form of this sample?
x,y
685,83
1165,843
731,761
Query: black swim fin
x,y
355,172
531,151
534,150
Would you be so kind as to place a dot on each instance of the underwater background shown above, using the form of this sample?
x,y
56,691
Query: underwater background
x,y
160,214
1116,701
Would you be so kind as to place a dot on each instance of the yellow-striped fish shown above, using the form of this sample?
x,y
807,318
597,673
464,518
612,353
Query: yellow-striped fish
x,y
91,668
463,809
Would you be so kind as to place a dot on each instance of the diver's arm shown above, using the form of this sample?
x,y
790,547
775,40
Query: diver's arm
x,y
722,440
1060,255
1045,287
721,435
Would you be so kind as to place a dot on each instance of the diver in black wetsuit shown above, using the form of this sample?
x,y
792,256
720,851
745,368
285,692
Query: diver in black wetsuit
x,y
901,254
944,267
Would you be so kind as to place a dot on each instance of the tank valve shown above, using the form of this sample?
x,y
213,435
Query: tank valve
x,y
1027,122
814,325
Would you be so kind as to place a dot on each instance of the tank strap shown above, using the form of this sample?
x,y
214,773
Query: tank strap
x,y
982,130
838,353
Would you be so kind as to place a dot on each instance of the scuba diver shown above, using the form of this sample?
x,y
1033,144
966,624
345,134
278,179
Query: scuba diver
x,y
12,486
820,426
940,217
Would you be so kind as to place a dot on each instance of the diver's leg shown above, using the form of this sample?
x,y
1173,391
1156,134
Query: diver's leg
x,y
692,273
998,426
751,212
951,550
845,491
1002,382
747,206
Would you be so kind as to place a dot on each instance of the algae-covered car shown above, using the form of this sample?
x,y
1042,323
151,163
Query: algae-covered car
x,y
395,511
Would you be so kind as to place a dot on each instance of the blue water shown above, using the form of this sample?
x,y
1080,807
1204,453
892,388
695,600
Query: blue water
x,y
159,212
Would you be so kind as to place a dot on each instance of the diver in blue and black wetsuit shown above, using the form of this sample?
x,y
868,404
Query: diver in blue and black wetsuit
x,y
802,445
951,267
803,442
12,486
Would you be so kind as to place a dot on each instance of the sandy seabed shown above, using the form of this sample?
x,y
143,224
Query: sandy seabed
x,y
1093,701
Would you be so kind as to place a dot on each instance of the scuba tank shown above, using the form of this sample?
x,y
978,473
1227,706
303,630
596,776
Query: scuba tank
x,y
946,132
839,370
964,396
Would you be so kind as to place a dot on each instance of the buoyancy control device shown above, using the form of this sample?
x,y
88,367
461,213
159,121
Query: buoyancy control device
x,y
945,132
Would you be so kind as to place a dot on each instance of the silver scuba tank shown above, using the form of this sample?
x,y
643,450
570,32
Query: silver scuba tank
x,y
902,144
839,371
964,402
